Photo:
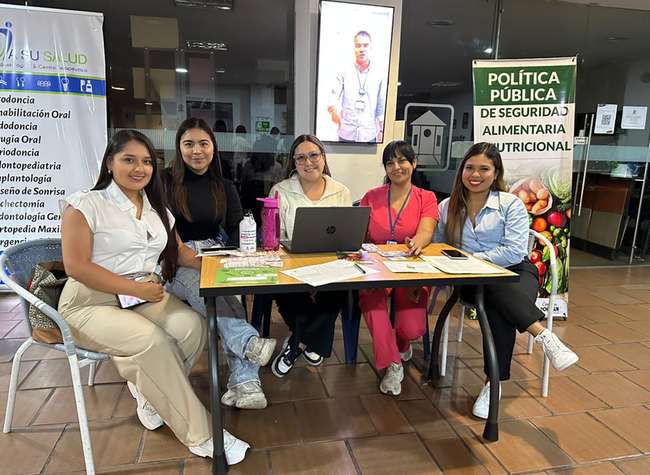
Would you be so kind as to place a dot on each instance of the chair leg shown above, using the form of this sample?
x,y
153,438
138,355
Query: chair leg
x,y
13,384
81,415
92,370
266,318
461,320
445,347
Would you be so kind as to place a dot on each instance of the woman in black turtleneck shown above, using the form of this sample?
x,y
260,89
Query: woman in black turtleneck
x,y
207,212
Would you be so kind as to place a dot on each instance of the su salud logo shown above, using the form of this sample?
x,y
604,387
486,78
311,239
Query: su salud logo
x,y
6,40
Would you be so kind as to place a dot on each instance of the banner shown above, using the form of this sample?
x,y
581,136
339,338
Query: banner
x,y
527,107
52,115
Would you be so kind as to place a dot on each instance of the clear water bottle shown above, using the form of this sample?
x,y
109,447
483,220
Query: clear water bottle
x,y
248,233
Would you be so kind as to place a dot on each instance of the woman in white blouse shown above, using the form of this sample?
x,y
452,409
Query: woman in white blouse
x,y
113,238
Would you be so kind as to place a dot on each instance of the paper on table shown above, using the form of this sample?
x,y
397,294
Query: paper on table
x,y
462,266
418,267
334,271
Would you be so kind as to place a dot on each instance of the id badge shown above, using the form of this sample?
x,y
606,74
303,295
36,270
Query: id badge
x,y
391,242
360,105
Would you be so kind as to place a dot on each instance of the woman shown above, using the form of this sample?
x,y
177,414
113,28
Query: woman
x,y
481,218
204,203
400,212
308,183
112,239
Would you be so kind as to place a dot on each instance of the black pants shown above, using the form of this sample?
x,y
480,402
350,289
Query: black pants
x,y
314,318
509,307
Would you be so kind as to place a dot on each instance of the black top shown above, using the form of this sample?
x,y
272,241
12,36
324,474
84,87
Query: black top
x,y
205,219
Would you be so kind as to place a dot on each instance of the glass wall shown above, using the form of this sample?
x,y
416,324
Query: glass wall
x,y
439,40
230,64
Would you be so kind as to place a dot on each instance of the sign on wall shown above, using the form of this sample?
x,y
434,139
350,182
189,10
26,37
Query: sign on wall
x,y
527,108
52,115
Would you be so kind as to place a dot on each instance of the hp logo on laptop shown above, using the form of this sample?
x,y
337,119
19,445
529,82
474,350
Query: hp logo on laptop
x,y
330,229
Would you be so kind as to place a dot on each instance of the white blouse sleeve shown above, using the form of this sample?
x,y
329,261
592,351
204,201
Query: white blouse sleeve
x,y
83,201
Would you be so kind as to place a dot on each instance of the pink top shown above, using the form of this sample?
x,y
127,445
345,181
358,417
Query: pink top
x,y
421,204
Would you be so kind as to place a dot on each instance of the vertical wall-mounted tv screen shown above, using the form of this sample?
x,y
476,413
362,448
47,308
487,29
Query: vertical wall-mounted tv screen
x,y
354,44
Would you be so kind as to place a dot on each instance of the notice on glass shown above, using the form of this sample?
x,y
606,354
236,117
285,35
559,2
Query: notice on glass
x,y
605,119
634,117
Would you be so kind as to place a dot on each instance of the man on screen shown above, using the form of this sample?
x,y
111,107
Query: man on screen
x,y
356,102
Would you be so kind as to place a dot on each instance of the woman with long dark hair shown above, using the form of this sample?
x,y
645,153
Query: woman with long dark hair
x,y
308,183
112,239
207,211
481,218
400,212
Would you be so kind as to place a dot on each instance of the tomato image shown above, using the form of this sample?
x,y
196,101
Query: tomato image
x,y
535,256
539,225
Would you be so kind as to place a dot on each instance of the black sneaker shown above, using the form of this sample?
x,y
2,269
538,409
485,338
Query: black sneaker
x,y
283,363
313,359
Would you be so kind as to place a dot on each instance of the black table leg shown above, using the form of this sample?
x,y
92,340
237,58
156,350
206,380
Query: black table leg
x,y
491,431
351,319
219,464
434,369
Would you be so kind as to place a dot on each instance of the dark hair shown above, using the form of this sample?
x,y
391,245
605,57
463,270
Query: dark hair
x,y
274,131
291,164
153,189
220,125
363,33
240,129
178,189
457,210
397,148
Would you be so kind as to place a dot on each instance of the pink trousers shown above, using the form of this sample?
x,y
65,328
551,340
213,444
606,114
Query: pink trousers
x,y
410,316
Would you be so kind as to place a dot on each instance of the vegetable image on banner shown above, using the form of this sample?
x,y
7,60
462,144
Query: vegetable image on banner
x,y
52,115
527,108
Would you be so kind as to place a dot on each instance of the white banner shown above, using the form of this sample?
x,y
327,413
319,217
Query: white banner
x,y
52,115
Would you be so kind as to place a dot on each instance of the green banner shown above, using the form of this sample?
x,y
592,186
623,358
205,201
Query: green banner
x,y
527,108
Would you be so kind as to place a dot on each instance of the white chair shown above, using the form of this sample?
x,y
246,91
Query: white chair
x,y
17,265
531,340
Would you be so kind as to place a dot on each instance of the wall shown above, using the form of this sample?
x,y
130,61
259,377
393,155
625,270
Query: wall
x,y
357,166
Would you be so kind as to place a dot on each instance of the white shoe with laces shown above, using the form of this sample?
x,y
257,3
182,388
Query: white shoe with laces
x,y
561,357
248,395
147,414
482,404
259,350
234,448
406,355
392,381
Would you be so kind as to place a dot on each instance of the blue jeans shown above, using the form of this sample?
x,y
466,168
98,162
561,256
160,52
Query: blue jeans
x,y
234,330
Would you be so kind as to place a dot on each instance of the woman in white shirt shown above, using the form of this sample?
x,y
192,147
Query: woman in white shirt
x,y
308,183
113,236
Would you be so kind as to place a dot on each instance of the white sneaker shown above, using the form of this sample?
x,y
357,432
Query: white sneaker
x,y
248,395
392,380
259,350
312,358
482,404
561,357
407,355
234,448
147,414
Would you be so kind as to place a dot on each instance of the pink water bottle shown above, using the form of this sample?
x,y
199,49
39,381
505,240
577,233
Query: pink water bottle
x,y
270,223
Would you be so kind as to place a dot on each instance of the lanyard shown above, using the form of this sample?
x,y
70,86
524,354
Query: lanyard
x,y
392,225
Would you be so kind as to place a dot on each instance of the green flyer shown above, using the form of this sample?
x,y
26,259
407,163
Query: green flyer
x,y
248,275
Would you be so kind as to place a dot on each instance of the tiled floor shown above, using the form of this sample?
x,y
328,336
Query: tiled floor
x,y
333,420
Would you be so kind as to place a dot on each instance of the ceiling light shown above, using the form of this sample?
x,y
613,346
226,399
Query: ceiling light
x,y
440,23
617,38
206,45
488,50
118,88
181,70
446,84
220,70
148,103
399,83
218,4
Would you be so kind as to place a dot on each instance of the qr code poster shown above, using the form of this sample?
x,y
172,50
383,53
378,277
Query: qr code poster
x,y
605,118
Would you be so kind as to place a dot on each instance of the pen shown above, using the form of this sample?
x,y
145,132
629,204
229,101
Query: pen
x,y
360,268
